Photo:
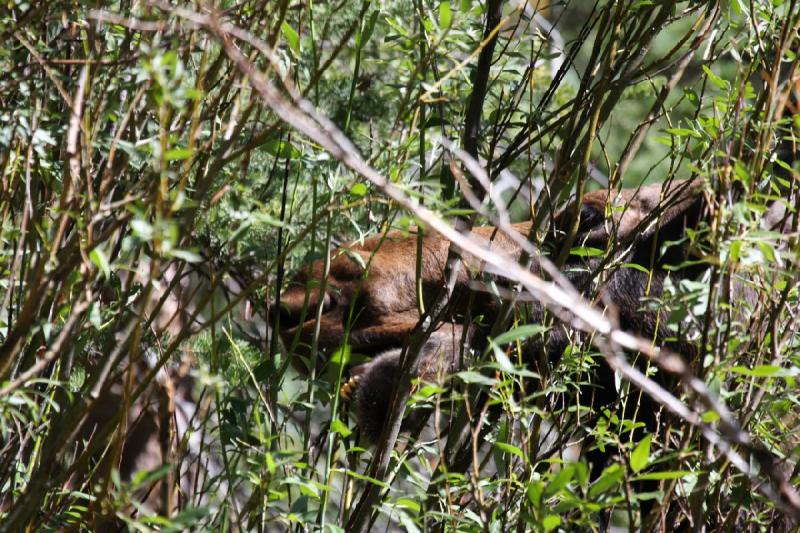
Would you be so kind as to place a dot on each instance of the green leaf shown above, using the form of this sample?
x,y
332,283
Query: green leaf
x,y
187,519
146,477
609,479
280,148
359,189
369,27
586,251
766,371
445,15
716,80
551,522
368,479
177,154
100,260
520,371
142,229
502,359
560,480
186,255
657,476
408,503
263,370
95,318
469,376
357,259
292,37
337,426
509,448
341,356
427,391
682,132
767,250
534,491
265,218
407,522
519,333
43,137
735,251
636,266
641,454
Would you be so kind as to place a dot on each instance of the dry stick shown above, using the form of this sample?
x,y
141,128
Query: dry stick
x,y
13,343
27,213
33,494
50,355
52,76
412,354
65,431
569,307
636,140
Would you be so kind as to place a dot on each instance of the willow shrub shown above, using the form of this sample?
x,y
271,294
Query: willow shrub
x,y
131,145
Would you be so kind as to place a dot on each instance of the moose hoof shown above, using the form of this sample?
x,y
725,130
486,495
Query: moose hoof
x,y
349,388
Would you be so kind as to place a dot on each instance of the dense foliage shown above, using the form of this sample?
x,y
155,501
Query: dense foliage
x,y
145,160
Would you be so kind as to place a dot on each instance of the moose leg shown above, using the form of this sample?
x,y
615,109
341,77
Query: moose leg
x,y
372,384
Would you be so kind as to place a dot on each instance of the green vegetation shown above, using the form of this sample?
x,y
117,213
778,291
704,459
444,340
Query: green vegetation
x,y
146,161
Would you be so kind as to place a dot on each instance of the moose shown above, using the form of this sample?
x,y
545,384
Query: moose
x,y
370,294
370,300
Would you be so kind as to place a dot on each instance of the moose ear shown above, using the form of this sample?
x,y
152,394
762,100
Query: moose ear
x,y
594,226
592,220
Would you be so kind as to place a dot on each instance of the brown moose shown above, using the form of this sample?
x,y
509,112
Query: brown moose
x,y
381,307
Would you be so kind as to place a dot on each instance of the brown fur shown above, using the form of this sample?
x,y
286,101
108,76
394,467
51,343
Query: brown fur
x,y
371,384
384,303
